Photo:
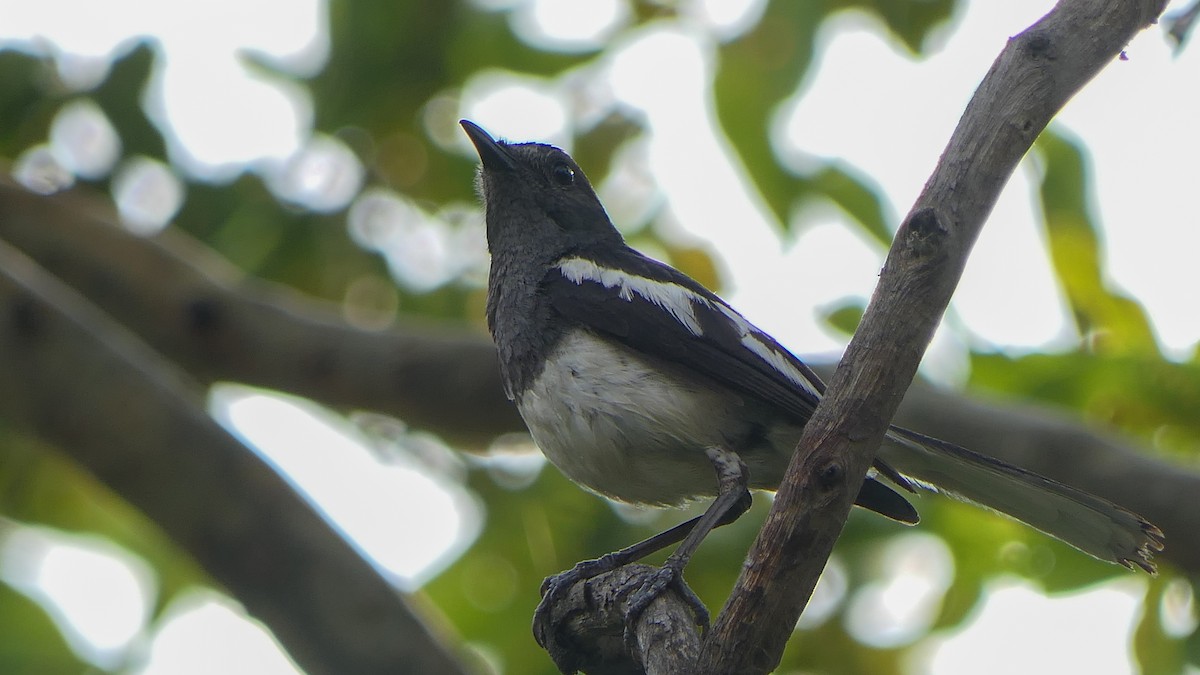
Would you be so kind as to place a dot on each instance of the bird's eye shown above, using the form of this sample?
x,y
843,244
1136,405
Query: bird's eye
x,y
563,174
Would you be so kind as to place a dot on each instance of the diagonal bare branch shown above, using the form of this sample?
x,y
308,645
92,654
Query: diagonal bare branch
x,y
1033,77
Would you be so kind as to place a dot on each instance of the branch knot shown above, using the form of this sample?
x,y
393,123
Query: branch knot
x,y
831,475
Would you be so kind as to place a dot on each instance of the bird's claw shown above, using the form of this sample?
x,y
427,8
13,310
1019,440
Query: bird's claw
x,y
651,588
553,589
654,583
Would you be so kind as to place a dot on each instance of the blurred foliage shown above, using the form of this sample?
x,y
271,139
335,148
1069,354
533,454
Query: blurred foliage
x,y
1109,320
1156,650
32,643
846,316
37,485
1118,375
763,67
394,70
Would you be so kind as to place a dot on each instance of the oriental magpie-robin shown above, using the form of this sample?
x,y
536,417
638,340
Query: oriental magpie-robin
x,y
644,386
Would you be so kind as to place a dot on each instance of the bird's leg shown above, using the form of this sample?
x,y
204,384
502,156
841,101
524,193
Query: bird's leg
x,y
720,512
554,588
733,499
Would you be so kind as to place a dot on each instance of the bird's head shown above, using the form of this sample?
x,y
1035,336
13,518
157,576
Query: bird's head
x,y
537,198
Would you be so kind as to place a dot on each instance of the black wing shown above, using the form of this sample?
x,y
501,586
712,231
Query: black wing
x,y
709,338
659,311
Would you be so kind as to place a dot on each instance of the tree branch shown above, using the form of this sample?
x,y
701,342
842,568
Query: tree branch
x,y
589,623
1034,76
73,377
194,308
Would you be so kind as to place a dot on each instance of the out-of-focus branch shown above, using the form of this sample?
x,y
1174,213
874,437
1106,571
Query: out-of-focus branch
x,y
1067,451
148,281
197,310
78,380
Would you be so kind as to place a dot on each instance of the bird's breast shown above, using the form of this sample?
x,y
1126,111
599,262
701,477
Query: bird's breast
x,y
634,428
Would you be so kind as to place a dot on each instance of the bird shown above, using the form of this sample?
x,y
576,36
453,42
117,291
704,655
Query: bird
x,y
640,384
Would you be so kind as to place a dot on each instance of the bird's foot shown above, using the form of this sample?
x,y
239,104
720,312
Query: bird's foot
x,y
554,589
559,605
654,586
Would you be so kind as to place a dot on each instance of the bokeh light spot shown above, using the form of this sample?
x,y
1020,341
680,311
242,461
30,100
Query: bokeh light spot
x,y
148,194
202,633
324,175
39,170
901,606
513,107
83,140
218,116
827,596
579,25
98,593
411,522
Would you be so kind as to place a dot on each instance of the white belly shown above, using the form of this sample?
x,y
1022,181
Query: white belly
x,y
612,423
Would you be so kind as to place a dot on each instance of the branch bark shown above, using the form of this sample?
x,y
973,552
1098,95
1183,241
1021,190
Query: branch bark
x,y
1034,76
78,380
590,623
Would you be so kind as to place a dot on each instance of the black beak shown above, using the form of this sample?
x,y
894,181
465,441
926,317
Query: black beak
x,y
492,154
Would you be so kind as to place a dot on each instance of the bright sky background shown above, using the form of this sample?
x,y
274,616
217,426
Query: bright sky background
x,y
891,123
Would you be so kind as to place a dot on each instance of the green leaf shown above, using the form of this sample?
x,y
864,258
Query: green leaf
x,y
39,486
24,105
595,149
1137,393
388,60
765,66
31,642
1156,651
910,21
124,84
1191,643
1110,320
846,317
696,263
857,197
756,72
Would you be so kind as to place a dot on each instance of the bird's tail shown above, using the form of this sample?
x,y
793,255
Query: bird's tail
x,y
1093,525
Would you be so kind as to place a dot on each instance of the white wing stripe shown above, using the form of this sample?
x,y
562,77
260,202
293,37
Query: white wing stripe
x,y
676,300
755,340
680,302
